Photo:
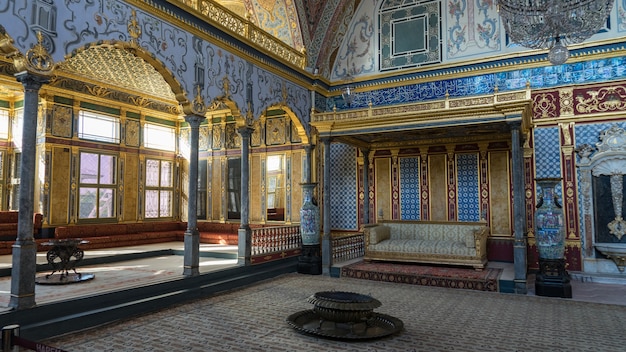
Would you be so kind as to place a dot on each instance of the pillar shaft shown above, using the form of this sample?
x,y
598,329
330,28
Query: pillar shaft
x,y
326,240
192,236
366,185
24,255
519,211
244,233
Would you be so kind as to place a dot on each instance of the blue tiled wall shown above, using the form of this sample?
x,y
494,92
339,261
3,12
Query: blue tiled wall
x,y
468,187
409,189
343,187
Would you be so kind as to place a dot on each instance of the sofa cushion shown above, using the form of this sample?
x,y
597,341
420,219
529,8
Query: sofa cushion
x,y
424,247
379,233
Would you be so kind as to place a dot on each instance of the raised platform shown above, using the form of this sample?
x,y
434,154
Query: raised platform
x,y
416,274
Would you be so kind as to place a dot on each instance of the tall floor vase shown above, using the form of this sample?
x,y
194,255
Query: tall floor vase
x,y
552,280
310,261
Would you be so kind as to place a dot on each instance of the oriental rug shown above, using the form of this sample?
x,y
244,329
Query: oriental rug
x,y
416,274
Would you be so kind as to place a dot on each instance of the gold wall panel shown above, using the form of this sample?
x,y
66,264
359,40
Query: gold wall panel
x,y
437,177
499,194
131,188
297,158
62,121
216,185
255,188
60,185
132,133
383,187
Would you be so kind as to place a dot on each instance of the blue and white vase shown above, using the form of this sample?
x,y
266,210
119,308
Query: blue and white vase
x,y
549,231
309,216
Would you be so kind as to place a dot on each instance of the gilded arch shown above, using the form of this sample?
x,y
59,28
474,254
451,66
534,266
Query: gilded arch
x,y
126,67
297,126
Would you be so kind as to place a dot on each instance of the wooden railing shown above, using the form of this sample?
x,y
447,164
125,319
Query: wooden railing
x,y
346,247
266,240
287,240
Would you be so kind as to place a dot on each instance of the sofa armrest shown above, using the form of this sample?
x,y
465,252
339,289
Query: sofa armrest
x,y
478,239
376,233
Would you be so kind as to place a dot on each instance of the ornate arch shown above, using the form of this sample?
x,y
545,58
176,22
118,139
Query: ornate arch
x,y
126,66
297,123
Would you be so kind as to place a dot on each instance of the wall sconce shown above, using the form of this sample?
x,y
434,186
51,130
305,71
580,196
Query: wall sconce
x,y
347,94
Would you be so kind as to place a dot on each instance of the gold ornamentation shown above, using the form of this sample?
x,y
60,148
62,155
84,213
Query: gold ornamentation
x,y
232,138
203,141
62,121
566,102
6,44
226,86
199,106
37,59
134,29
220,17
98,91
602,100
218,137
132,133
567,138
544,106
255,138
275,131
140,101
119,68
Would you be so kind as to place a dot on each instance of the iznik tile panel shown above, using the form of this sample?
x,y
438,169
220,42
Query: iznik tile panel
x,y
422,47
468,187
547,150
409,188
590,133
343,188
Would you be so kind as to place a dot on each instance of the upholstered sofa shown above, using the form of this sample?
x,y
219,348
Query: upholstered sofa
x,y
453,243
8,224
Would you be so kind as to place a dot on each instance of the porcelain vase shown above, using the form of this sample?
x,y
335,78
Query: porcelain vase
x,y
549,231
309,217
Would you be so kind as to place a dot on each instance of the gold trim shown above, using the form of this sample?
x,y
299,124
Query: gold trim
x,y
505,105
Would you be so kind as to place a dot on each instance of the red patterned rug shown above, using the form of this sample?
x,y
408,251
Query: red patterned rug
x,y
416,274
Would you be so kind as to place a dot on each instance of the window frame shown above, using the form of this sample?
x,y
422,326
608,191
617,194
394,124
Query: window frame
x,y
109,188
160,189
92,115
150,127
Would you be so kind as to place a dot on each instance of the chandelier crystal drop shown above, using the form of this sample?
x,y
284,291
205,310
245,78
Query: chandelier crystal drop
x,y
553,24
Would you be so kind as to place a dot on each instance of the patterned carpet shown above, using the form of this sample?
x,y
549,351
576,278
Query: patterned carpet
x,y
416,274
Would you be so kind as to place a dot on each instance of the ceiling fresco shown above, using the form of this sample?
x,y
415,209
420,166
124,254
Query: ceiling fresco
x,y
315,25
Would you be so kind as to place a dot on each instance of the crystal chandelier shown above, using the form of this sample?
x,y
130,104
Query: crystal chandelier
x,y
554,24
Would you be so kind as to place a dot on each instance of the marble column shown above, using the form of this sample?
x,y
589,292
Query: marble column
x,y
519,211
307,163
366,185
326,240
25,248
244,232
192,236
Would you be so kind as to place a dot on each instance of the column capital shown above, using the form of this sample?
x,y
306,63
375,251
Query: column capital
x,y
31,81
515,125
325,139
245,131
194,120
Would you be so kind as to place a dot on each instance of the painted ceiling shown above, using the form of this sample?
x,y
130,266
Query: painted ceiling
x,y
316,25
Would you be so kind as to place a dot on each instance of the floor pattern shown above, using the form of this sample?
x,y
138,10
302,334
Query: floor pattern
x,y
435,319
440,276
